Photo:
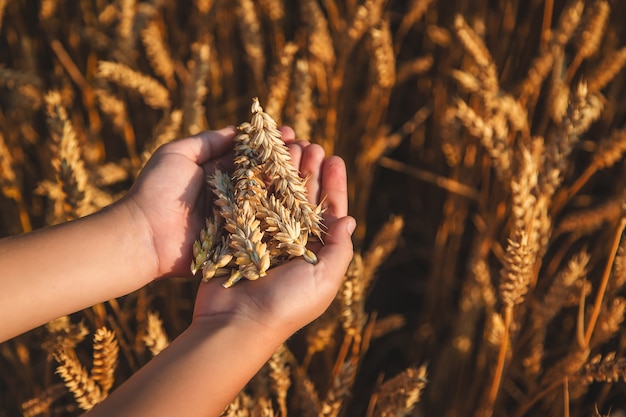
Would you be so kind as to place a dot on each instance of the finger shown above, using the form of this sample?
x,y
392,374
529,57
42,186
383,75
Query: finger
x,y
334,187
289,136
204,146
310,168
335,256
295,151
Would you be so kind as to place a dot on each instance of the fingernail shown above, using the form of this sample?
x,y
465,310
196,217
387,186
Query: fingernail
x,y
351,226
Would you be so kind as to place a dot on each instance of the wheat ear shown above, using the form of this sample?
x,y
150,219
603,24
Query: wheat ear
x,y
158,53
152,92
194,118
155,338
280,376
398,395
77,379
283,176
280,79
105,355
264,207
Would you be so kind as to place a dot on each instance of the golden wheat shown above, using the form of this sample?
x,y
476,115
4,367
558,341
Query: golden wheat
x,y
470,120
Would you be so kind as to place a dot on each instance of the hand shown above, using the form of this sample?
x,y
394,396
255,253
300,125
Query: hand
x,y
295,293
169,196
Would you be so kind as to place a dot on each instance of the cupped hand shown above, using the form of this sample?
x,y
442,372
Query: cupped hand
x,y
297,292
169,196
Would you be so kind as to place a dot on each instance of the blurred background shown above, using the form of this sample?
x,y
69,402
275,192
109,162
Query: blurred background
x,y
484,144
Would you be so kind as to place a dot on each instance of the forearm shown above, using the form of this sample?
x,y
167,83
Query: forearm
x,y
65,268
197,375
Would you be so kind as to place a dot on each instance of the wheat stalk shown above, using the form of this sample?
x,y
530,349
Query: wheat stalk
x,y
194,118
565,284
320,44
589,40
250,29
351,297
166,131
80,196
155,338
48,9
340,388
105,356
367,15
77,379
3,5
125,32
606,70
158,53
303,106
280,377
540,67
398,395
280,79
203,6
152,92
41,404
416,10
383,54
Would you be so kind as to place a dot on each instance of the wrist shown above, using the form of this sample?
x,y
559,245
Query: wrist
x,y
253,332
135,225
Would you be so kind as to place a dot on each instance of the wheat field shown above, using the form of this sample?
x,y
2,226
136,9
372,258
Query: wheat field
x,y
484,142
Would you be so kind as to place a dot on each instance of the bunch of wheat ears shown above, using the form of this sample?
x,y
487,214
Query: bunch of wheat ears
x,y
263,207
484,142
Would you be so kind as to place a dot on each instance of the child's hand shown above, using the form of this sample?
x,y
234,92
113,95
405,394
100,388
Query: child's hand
x,y
293,294
170,196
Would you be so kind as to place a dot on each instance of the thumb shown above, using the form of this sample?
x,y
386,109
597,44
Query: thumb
x,y
336,254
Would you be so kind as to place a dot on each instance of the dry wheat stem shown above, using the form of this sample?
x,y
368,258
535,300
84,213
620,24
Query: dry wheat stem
x,y
250,29
303,97
383,54
10,185
158,53
115,109
447,184
398,395
568,22
546,33
280,80
166,131
589,41
80,197
603,283
607,70
41,404
155,338
618,274
3,5
105,355
606,155
280,376
320,43
340,389
416,10
76,378
152,92
194,119
566,283
609,321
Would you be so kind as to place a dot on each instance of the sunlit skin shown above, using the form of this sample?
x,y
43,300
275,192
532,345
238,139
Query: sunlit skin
x,y
148,235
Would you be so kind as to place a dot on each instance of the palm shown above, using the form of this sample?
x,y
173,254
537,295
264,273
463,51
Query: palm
x,y
295,293
170,193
